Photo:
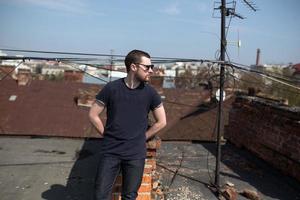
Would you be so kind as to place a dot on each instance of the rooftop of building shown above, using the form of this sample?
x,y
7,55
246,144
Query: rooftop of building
x,y
51,101
62,168
48,143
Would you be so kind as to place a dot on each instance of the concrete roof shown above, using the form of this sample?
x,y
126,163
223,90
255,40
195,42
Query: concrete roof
x,y
63,169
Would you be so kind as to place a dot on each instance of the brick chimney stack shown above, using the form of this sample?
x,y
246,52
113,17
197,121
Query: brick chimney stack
x,y
86,97
73,75
258,57
23,76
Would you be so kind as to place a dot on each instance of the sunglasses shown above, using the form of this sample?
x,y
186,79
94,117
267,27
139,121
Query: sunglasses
x,y
147,66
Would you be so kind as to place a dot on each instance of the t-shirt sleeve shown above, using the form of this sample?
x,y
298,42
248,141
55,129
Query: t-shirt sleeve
x,y
103,96
155,100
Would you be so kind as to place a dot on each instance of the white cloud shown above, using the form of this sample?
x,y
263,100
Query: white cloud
x,y
172,9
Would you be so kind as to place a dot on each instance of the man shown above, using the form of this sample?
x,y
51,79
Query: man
x,y
128,102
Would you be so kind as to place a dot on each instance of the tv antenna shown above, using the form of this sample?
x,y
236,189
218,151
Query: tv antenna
x,y
237,43
251,5
226,10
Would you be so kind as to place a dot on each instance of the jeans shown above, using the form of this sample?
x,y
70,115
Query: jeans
x,y
108,170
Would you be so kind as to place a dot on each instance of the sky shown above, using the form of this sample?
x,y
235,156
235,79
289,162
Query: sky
x,y
168,28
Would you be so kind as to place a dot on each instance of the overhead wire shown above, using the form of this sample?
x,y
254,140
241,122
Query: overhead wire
x,y
265,75
11,71
86,72
155,58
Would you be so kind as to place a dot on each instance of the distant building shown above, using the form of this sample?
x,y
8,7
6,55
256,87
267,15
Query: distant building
x,y
296,68
52,70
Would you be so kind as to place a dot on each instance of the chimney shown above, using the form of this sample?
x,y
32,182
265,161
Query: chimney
x,y
86,97
23,76
157,81
72,75
258,57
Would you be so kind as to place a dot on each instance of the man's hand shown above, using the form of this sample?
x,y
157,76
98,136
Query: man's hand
x,y
94,113
160,117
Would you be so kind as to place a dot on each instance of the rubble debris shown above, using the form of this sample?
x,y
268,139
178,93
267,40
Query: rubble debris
x,y
250,194
229,193
229,184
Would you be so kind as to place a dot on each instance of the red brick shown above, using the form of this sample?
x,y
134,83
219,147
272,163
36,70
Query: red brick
x,y
269,131
151,153
151,162
145,188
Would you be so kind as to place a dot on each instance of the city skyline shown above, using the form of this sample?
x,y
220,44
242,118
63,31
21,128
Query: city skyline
x,y
168,28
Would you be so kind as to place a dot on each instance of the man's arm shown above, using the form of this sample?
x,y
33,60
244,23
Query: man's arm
x,y
160,117
94,113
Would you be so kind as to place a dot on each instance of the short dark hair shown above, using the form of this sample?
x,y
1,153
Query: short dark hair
x,y
134,56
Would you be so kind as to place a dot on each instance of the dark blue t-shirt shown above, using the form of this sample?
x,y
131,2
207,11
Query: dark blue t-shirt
x,y
127,118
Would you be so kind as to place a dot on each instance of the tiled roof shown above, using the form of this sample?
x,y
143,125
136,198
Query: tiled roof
x,y
49,108
198,123
43,108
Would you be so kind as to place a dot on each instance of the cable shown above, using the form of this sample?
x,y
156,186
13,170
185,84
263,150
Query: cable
x,y
58,52
105,55
87,73
265,75
232,64
182,175
6,75
228,26
178,168
265,86
253,70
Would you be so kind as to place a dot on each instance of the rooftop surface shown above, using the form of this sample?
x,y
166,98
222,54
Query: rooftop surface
x,y
49,102
63,169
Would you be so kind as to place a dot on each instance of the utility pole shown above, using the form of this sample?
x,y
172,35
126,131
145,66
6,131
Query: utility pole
x,y
224,13
222,69
111,63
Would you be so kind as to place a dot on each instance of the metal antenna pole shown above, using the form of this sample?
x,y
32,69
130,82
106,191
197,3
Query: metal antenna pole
x,y
111,64
222,58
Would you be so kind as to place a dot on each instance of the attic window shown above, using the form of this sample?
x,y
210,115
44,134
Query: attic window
x,y
12,98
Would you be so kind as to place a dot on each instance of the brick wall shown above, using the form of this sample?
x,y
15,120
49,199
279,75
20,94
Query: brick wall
x,y
144,192
268,129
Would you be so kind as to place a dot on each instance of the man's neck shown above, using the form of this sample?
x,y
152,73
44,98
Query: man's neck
x,y
131,81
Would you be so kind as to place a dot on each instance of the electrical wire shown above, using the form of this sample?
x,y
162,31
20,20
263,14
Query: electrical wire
x,y
265,75
7,74
155,58
231,64
263,86
86,72
289,78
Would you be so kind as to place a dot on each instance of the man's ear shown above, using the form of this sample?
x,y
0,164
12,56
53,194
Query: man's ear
x,y
133,67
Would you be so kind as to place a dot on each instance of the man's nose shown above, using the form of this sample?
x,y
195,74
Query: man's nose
x,y
150,70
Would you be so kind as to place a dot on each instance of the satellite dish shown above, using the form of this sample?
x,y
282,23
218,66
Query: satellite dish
x,y
218,95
